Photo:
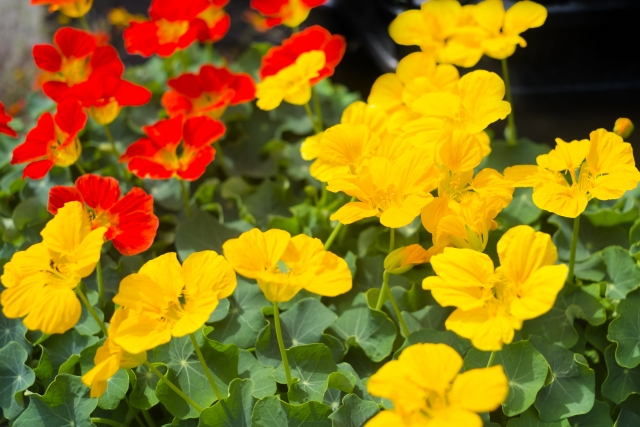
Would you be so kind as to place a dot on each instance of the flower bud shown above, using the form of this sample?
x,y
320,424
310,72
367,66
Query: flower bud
x,y
403,259
623,127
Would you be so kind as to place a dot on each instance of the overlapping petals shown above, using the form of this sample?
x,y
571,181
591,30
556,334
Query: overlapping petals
x,y
5,119
71,8
291,13
213,22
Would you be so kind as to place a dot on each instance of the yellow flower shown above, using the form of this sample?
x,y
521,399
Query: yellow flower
x,y
428,390
40,281
284,265
575,172
168,299
492,304
404,259
292,83
110,357
623,127
394,190
504,28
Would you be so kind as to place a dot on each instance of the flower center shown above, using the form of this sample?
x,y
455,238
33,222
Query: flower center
x,y
211,15
171,31
64,150
75,70
383,200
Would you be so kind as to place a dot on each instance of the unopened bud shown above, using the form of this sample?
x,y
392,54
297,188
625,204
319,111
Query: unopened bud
x,y
403,259
623,127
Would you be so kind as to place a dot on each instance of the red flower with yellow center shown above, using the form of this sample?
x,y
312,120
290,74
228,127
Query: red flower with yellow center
x,y
5,119
171,27
287,12
208,93
75,57
54,141
71,8
213,22
174,149
131,224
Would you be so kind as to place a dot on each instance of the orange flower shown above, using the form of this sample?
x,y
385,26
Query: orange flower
x,y
291,13
213,22
71,8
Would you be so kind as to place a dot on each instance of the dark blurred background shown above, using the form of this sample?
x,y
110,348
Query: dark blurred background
x,y
579,72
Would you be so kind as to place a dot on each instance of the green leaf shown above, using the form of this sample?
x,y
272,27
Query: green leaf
x,y
221,311
521,210
262,376
449,338
620,382
572,388
623,272
202,232
233,411
272,412
354,412
627,419
15,376
117,385
87,325
592,269
625,330
311,364
30,211
370,329
268,200
167,193
531,419
245,320
612,212
13,330
66,349
597,417
65,403
302,324
143,392
187,374
526,370
503,155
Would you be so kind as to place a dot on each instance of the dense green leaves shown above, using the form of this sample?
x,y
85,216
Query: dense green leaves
x,y
272,412
370,329
354,412
15,377
202,232
233,411
625,330
620,382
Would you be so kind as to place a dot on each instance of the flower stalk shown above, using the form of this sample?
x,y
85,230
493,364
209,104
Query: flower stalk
x,y
574,247
512,139
283,351
205,368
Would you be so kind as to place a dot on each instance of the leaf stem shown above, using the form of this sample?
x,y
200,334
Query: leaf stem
x,y
511,119
185,197
333,236
80,168
318,108
313,121
134,412
283,351
173,387
107,422
385,290
100,281
207,372
84,23
492,358
574,247
92,311
392,239
148,418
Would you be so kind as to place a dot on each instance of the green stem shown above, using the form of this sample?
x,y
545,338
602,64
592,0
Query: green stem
x,y
511,119
80,168
185,197
107,422
317,107
283,351
392,239
168,66
492,357
574,246
85,23
383,289
135,412
100,281
313,121
333,236
148,418
221,159
184,60
91,310
207,372
173,387
396,310
208,51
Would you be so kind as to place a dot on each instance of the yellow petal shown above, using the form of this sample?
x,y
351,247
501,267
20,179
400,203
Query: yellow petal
x,y
55,310
524,15
607,151
489,15
490,182
433,366
104,369
487,332
348,144
438,104
463,268
324,171
414,65
386,419
165,272
566,156
480,390
18,300
399,216
386,92
392,382
465,298
460,151
408,28
613,185
454,417
25,263
501,46
139,292
88,252
481,94
65,232
311,147
254,251
538,294
299,96
522,175
522,251
433,212
359,113
560,199
352,212
270,93
139,333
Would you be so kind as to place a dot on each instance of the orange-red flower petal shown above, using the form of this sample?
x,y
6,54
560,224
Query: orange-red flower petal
x,y
5,119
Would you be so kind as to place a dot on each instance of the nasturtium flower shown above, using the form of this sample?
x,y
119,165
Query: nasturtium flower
x,y
71,8
40,281
428,390
75,58
213,22
291,13
623,127
284,265
207,93
110,357
131,224
120,18
167,299
503,29
157,156
5,119
405,258
52,142
492,303
288,72
171,27
394,190
575,172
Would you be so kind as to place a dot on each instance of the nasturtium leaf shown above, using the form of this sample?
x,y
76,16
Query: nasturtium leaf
x,y
187,374
117,386
143,392
608,213
372,330
503,155
336,346
354,412
622,271
572,388
202,232
65,403
428,317
620,382
272,412
262,376
627,419
13,330
556,326
531,419
233,411
270,198
30,211
592,269
312,364
87,325
591,239
333,398
525,368
167,193
63,351
302,324
521,210
449,338
15,376
245,320
598,417
220,312
625,330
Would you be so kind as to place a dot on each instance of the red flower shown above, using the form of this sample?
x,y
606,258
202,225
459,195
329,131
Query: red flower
x,y
208,93
104,97
130,221
213,22
5,119
288,12
71,8
75,57
312,38
54,141
172,27
158,157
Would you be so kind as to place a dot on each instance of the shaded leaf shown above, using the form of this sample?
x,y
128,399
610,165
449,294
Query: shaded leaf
x,y
354,412
262,376
370,329
233,411
620,382
622,271
531,419
272,412
202,232
597,417
625,330
312,364
15,376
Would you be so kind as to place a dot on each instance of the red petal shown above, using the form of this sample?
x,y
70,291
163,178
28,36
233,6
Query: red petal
x,y
166,132
70,117
37,170
198,164
145,168
187,84
244,87
201,131
36,144
105,60
214,33
177,10
99,192
136,224
74,42
129,94
5,119
175,103
47,57
144,147
314,3
57,91
142,38
269,7
60,194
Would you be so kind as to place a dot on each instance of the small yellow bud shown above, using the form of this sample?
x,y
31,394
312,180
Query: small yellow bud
x,y
623,127
403,259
